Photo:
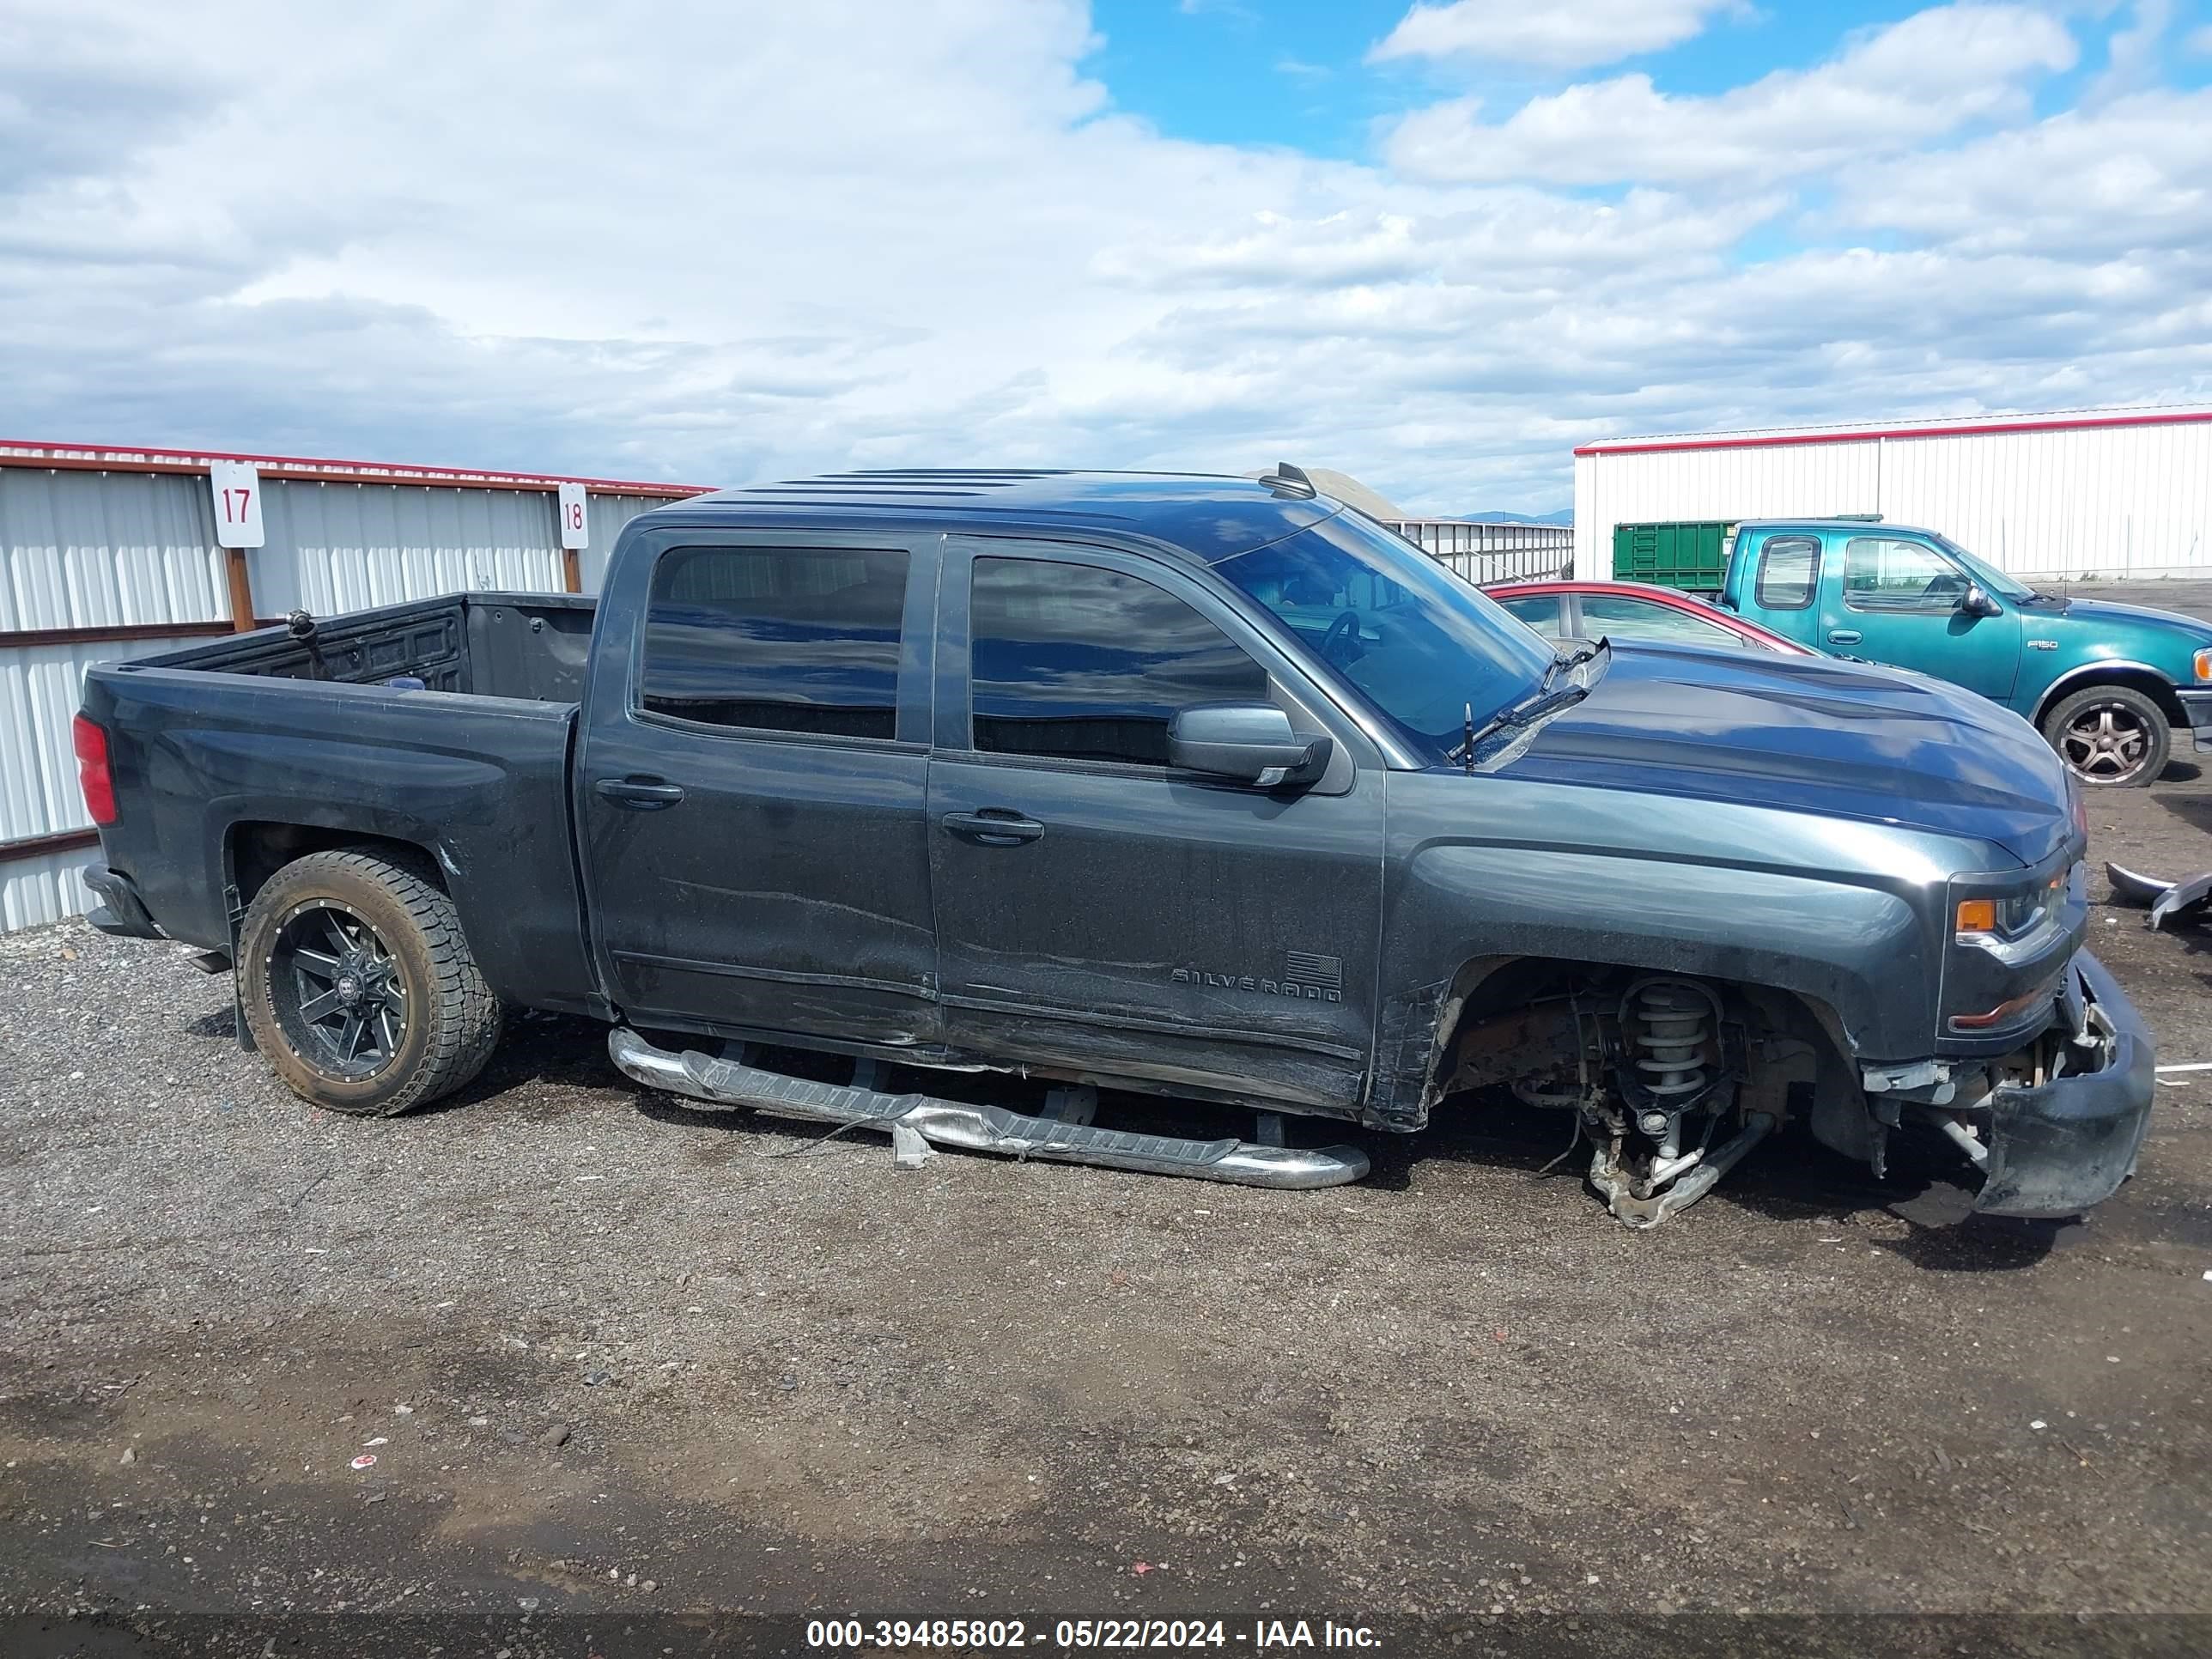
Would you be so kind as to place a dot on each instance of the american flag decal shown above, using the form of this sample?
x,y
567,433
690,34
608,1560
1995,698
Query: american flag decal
x,y
1315,972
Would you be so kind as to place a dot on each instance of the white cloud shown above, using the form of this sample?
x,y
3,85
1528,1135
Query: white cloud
x,y
1549,36
871,235
1891,90
2132,56
2133,176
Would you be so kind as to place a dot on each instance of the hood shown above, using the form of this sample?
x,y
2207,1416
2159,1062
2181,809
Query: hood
x,y
1808,734
2107,611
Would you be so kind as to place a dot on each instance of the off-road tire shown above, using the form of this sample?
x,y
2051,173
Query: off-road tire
x,y
2122,704
452,1017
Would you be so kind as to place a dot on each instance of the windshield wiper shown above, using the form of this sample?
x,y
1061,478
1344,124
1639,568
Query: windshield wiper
x,y
1581,653
1543,701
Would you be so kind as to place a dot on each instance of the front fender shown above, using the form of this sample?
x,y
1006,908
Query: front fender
x,y
2069,674
1852,926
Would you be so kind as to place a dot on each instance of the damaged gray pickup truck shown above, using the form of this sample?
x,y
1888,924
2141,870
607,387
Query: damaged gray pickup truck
x,y
1205,787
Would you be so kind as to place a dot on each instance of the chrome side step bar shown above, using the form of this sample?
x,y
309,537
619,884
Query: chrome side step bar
x,y
978,1128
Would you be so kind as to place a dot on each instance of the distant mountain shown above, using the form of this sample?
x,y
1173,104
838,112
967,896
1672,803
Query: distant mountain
x,y
1349,490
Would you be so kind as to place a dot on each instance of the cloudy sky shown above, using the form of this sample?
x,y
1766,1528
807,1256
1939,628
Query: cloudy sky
x,y
1435,246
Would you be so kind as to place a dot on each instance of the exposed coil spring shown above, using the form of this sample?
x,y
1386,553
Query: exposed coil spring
x,y
1674,1026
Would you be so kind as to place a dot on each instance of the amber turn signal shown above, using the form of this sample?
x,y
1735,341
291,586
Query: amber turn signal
x,y
1977,915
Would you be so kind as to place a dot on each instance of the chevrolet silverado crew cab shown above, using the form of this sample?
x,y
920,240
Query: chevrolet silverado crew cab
x,y
1205,787
2106,684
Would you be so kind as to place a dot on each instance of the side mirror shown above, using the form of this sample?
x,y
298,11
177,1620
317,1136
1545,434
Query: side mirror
x,y
1976,603
1250,742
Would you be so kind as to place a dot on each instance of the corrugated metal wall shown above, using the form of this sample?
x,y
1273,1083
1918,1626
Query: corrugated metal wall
x,y
104,549
2123,494
39,692
92,549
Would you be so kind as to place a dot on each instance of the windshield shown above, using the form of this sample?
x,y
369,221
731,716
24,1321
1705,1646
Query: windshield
x,y
1412,639
1994,579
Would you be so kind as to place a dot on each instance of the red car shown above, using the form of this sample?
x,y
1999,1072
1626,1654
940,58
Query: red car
x,y
1631,612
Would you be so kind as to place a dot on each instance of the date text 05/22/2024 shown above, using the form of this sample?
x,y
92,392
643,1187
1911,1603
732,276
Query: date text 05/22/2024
x,y
973,1635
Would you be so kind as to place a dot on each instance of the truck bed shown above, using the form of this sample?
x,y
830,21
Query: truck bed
x,y
234,756
530,646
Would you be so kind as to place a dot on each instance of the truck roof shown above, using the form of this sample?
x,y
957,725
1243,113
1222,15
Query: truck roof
x,y
1210,516
1865,526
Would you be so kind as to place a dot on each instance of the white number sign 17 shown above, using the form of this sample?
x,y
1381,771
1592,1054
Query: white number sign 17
x,y
576,523
237,487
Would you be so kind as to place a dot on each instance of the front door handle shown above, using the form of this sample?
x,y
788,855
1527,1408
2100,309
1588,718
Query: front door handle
x,y
640,794
1842,636
994,826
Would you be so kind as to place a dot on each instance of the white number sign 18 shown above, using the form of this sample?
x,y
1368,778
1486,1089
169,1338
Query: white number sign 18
x,y
237,487
576,523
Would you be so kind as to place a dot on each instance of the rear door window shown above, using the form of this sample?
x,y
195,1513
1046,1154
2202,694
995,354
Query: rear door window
x,y
1078,663
1789,571
775,639
1624,616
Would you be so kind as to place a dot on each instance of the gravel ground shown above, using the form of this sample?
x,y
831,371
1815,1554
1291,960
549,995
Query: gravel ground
x,y
636,1375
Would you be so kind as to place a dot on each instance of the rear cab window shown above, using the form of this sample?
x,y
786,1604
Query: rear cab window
x,y
771,639
1788,571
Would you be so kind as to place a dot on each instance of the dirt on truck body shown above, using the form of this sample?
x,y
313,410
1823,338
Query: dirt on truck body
x,y
1206,789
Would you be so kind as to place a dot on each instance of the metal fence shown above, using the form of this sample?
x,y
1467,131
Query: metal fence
x,y
109,554
1482,552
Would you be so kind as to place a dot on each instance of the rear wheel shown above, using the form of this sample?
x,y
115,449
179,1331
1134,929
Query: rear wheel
x,y
358,986
2113,735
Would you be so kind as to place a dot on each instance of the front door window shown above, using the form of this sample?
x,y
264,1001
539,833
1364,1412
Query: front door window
x,y
1084,663
1889,573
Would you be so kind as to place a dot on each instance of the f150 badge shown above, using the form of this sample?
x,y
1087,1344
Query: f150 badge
x,y
1314,978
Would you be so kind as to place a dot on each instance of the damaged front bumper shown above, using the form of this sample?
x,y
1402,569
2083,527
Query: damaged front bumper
x,y
2064,1146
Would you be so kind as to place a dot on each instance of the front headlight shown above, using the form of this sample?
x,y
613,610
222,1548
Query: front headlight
x,y
2203,664
2004,918
2004,925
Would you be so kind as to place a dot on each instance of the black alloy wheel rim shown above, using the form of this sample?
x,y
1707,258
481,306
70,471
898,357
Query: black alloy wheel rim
x,y
2106,743
337,991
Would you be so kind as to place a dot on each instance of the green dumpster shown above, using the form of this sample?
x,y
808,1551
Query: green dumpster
x,y
1689,554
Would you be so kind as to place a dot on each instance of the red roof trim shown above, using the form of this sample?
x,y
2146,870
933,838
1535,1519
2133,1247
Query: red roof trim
x,y
1869,434
135,457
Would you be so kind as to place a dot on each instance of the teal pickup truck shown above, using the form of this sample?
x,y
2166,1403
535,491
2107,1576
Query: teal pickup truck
x,y
2106,684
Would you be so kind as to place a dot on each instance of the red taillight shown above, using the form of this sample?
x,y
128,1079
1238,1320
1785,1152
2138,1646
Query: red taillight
x,y
92,773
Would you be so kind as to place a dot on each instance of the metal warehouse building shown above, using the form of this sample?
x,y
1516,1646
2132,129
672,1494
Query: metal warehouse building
x,y
2095,492
109,553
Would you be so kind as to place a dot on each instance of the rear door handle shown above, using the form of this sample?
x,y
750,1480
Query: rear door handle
x,y
1842,636
994,826
640,794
